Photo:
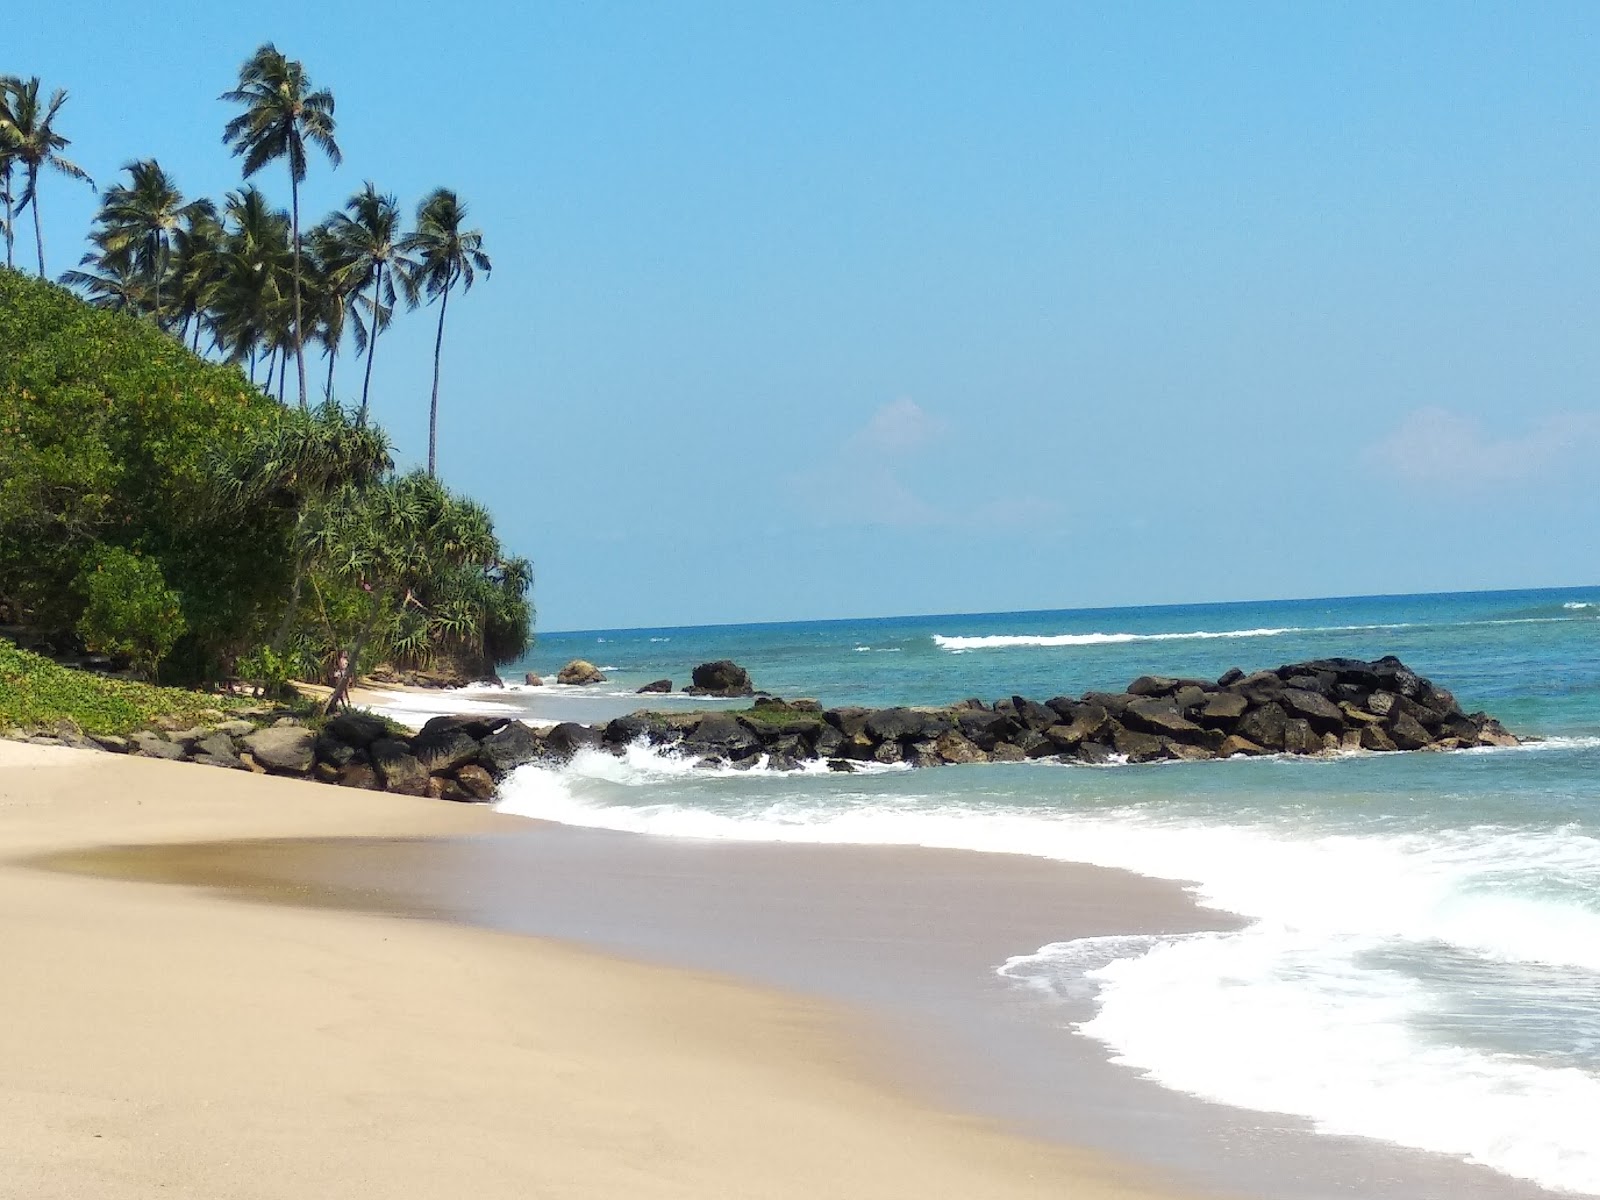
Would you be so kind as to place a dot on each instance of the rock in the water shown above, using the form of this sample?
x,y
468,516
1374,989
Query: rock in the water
x,y
1153,685
1094,754
1407,733
1159,717
1222,708
532,680
478,782
893,724
1138,747
721,678
1373,737
444,749
1298,737
509,748
580,673
1234,744
397,768
1314,707
283,749
567,738
659,685
953,747
1264,726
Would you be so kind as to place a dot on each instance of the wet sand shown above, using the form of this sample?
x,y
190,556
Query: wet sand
x,y
891,953
169,1040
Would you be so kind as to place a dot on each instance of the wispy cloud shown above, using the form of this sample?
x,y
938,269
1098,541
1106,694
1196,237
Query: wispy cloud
x,y
1437,446
868,479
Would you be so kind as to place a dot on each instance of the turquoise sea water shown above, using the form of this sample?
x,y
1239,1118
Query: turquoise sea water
x,y
1423,964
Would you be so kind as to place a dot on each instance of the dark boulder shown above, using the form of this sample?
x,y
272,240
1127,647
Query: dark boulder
x,y
509,748
397,768
1374,738
1138,747
1394,676
1323,713
1407,733
954,747
1299,738
1222,708
849,720
1233,745
1264,726
986,729
1230,677
334,751
1115,703
1153,685
1095,754
444,749
1037,717
569,737
1159,717
725,734
658,686
360,775
624,731
721,678
356,729
477,727
478,782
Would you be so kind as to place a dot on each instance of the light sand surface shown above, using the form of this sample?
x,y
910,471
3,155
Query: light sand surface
x,y
161,1041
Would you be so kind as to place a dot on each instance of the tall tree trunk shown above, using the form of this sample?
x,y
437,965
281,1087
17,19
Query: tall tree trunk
x,y
283,378
197,324
332,358
433,409
299,342
252,364
372,343
5,185
38,233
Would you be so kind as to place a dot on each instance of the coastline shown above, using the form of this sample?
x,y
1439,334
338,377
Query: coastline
x,y
171,1038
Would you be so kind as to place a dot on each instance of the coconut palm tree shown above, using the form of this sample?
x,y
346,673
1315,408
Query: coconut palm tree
x,y
367,235
8,162
35,145
197,269
327,296
282,114
446,255
251,308
116,282
141,218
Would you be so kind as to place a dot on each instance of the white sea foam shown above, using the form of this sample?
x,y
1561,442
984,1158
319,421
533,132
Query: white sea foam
x,y
1004,640
1579,604
1296,1013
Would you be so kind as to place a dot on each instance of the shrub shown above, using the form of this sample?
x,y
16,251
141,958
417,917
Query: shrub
x,y
129,611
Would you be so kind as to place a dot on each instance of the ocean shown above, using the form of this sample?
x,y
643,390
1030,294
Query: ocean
x,y
1421,962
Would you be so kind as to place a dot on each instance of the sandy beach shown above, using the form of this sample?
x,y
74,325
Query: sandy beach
x,y
167,1040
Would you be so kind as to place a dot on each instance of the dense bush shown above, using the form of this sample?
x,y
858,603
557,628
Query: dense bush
x,y
165,509
129,611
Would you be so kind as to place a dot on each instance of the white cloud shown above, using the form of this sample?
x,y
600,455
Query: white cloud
x,y
1435,445
899,427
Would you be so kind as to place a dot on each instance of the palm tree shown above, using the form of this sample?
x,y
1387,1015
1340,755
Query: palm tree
x,y
327,299
34,144
368,238
141,219
8,160
117,281
250,307
446,254
197,268
281,115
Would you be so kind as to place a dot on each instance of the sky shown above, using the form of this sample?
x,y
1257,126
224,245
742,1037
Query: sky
x,y
862,308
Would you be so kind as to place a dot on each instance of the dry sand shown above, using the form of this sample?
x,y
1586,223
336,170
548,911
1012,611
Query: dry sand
x,y
169,1041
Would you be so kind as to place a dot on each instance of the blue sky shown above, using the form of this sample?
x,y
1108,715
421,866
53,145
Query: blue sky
x,y
868,308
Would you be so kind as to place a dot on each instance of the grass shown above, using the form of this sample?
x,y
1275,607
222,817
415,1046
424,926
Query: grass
x,y
35,692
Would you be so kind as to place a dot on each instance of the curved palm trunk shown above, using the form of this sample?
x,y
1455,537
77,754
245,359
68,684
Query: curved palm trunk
x,y
433,409
38,233
372,344
328,390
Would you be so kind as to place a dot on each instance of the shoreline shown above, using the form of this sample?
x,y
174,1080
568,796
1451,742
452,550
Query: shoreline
x,y
167,1037
652,905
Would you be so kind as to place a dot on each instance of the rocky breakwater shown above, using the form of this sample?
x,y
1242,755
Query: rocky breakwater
x,y
1326,706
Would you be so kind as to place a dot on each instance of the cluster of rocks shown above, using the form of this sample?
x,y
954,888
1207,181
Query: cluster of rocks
x,y
1326,706
722,679
451,758
1320,707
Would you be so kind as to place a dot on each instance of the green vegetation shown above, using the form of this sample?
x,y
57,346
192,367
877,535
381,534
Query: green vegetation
x,y
157,504
133,472
35,693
